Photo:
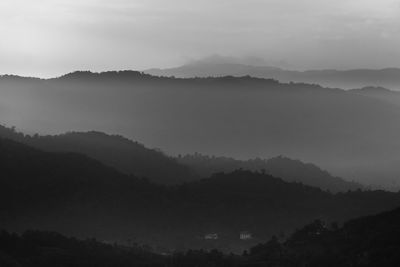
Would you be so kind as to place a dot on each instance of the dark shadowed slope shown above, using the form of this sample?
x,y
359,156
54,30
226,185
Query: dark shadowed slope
x,y
49,249
243,117
346,79
367,241
288,169
113,150
75,195
134,158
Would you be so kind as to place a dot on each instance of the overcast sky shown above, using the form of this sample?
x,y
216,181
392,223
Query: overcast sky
x,y
50,37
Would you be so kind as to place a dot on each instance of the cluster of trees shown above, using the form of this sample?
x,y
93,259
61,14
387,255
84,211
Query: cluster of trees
x,y
366,241
77,195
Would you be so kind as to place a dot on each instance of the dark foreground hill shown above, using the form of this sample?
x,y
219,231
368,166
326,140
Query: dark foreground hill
x,y
288,169
79,196
367,241
348,134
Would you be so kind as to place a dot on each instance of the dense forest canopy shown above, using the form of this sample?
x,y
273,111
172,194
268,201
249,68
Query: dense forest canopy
x,y
76,195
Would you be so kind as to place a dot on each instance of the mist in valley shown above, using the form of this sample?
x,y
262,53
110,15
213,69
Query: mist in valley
x,y
199,133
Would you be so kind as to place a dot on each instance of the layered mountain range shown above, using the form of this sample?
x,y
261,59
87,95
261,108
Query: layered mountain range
x,y
73,194
351,134
346,79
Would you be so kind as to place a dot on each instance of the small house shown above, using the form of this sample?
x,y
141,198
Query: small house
x,y
245,235
211,236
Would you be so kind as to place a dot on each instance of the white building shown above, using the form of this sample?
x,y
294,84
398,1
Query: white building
x,y
245,235
211,236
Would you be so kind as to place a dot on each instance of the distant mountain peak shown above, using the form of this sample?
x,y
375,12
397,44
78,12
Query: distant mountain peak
x,y
373,89
216,59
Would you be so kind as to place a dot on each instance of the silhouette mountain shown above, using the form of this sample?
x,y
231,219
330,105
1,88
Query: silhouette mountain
x,y
346,79
113,150
348,134
288,169
134,158
75,195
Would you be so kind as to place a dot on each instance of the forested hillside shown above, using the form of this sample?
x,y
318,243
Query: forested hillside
x,y
76,195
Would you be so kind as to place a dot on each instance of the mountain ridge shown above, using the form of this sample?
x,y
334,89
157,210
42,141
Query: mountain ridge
x,y
76,195
131,157
345,133
346,79
117,151
289,170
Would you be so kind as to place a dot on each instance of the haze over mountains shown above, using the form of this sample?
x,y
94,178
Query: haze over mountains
x,y
75,195
75,179
217,66
122,144
133,158
288,169
125,155
390,96
346,133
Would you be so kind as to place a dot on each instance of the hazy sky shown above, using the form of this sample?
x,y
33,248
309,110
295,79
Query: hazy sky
x,y
50,37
